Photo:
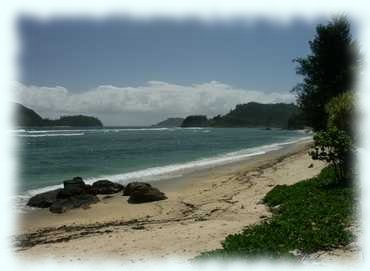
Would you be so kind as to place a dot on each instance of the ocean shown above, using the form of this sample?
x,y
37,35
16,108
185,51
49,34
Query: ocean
x,y
49,156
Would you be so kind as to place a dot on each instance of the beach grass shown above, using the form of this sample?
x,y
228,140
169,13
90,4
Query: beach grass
x,y
309,216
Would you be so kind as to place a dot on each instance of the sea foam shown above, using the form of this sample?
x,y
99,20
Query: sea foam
x,y
170,171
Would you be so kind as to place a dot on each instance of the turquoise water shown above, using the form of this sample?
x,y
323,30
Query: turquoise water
x,y
47,157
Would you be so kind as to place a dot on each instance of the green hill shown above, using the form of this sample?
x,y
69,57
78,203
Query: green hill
x,y
257,115
170,122
195,121
26,117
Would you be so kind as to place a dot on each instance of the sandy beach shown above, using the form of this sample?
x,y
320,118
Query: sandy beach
x,y
201,210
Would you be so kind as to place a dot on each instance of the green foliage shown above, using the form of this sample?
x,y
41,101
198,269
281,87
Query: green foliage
x,y
256,115
327,72
312,215
340,110
335,147
296,121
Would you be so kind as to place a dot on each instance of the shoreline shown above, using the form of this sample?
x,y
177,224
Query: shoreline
x,y
247,163
202,208
172,172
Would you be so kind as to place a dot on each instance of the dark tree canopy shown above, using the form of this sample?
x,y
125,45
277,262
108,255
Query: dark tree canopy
x,y
327,72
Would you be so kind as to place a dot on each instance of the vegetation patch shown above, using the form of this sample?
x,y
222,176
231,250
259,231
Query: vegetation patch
x,y
309,216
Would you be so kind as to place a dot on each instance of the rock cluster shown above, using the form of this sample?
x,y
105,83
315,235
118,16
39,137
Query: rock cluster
x,y
77,194
74,194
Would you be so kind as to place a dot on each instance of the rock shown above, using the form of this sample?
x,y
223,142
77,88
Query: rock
x,y
311,165
75,183
146,194
60,206
76,186
67,193
135,186
89,189
75,194
106,187
83,200
63,204
44,200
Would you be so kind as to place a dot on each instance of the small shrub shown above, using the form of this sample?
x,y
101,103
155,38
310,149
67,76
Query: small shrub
x,y
335,147
335,144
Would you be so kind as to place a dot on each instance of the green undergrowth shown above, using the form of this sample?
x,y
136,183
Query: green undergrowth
x,y
309,216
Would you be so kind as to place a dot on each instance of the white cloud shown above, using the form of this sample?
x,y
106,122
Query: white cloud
x,y
142,105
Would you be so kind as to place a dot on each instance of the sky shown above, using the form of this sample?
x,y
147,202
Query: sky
x,y
139,72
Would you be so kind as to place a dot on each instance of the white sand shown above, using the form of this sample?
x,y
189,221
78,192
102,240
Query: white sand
x,y
201,210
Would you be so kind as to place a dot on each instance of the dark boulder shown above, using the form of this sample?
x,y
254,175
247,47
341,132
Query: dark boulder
x,y
131,187
75,194
146,194
106,187
44,200
63,204
89,189
75,183
73,187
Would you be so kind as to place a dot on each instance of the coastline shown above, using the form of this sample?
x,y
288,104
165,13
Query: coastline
x,y
172,171
202,208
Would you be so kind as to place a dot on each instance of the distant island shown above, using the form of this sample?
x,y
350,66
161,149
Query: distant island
x,y
170,122
195,121
252,114
26,117
280,115
257,115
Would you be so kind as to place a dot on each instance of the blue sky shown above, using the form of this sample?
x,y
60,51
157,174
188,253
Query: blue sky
x,y
83,58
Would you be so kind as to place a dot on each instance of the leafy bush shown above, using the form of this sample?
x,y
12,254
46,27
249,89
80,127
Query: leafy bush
x,y
340,110
313,215
335,144
335,147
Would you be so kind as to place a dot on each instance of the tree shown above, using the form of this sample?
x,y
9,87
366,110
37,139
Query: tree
x,y
335,144
296,121
327,72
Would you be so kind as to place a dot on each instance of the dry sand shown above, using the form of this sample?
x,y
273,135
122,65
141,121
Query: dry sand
x,y
201,210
